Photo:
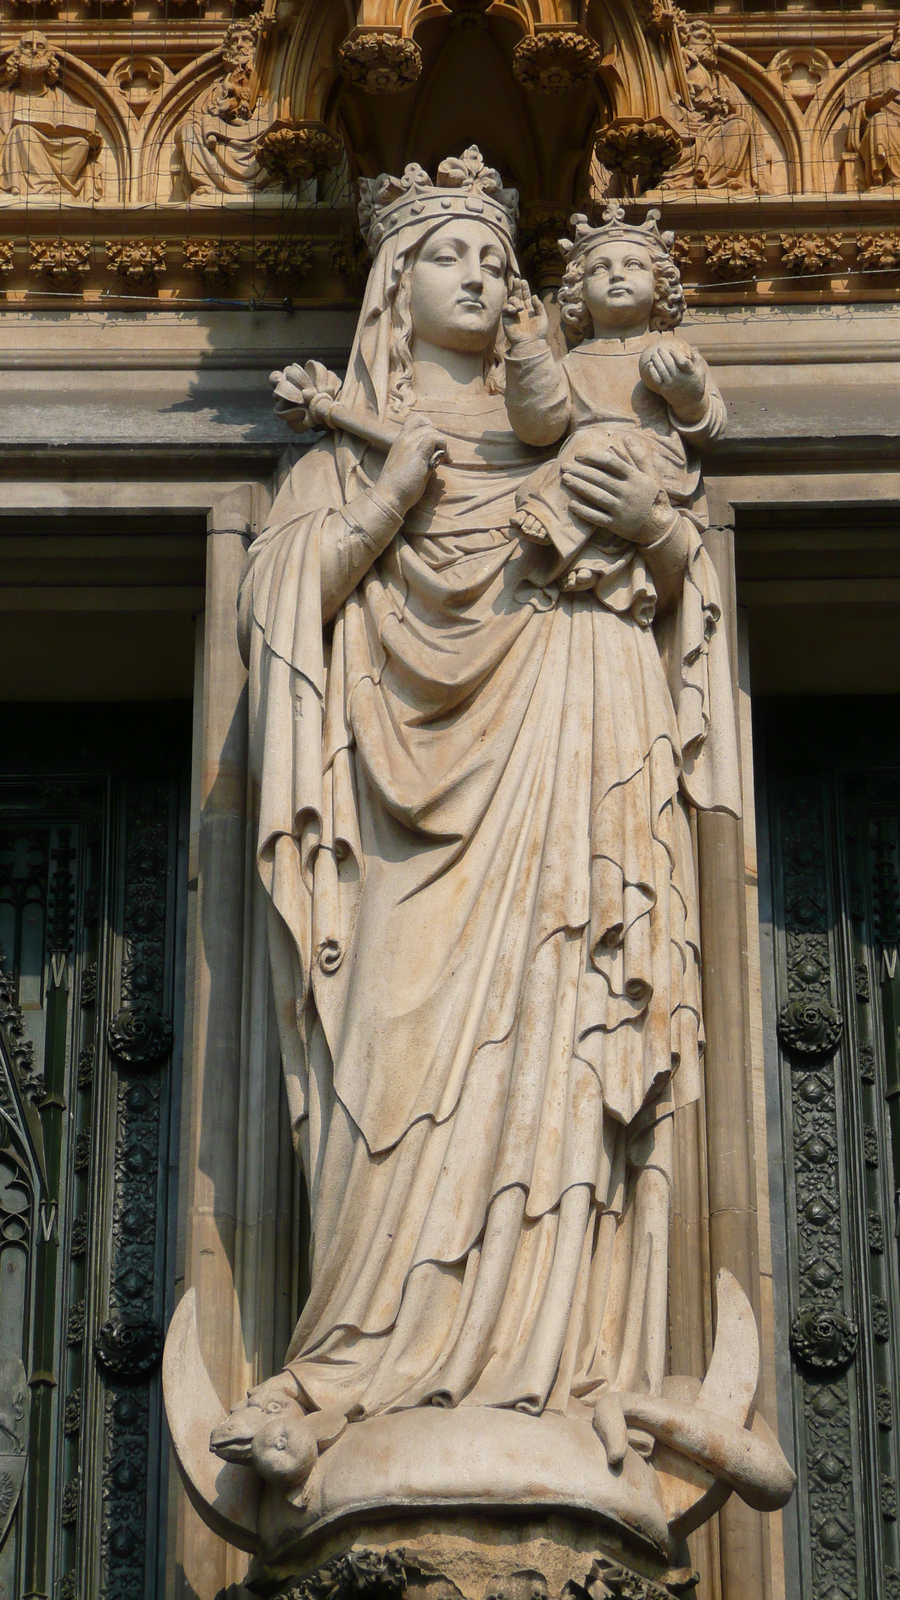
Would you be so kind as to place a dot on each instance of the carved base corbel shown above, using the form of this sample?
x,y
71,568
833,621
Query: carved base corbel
x,y
401,1574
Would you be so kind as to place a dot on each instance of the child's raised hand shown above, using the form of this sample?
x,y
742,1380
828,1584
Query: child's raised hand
x,y
524,316
677,373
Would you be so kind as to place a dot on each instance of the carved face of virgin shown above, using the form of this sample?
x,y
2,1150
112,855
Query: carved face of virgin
x,y
619,287
458,287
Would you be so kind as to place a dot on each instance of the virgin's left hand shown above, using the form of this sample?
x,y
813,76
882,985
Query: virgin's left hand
x,y
607,490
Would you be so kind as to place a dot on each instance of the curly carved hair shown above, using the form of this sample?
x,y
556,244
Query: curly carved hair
x,y
665,313
401,393
32,50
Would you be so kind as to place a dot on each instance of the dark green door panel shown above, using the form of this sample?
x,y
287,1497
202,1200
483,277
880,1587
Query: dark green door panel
x,y
92,884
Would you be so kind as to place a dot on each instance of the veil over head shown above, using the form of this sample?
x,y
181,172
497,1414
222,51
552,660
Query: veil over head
x,y
367,383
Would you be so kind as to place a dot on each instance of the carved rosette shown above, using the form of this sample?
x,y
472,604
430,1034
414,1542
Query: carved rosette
x,y
63,261
554,60
128,1349
641,152
824,1340
214,260
734,255
294,152
139,1039
878,252
380,61
277,259
810,1027
139,263
810,252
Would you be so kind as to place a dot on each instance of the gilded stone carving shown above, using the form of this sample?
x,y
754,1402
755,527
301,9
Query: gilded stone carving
x,y
810,252
734,255
6,257
879,252
294,152
637,151
723,146
213,259
802,71
873,134
49,141
218,139
291,259
138,262
380,60
553,60
64,261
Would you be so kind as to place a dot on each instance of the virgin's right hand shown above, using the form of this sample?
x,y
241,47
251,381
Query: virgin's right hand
x,y
407,468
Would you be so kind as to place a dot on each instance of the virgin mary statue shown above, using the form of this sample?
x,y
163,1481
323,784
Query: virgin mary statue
x,y
474,788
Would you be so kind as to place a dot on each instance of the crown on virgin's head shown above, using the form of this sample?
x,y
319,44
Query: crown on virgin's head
x,y
464,187
645,233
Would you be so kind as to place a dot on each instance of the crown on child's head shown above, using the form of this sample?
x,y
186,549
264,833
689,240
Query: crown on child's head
x,y
465,187
644,233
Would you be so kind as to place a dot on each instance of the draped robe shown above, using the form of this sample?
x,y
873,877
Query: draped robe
x,y
475,844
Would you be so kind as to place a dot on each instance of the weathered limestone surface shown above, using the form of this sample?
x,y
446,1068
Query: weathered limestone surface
x,y
483,923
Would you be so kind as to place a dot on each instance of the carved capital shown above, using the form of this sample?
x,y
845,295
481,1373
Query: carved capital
x,y
553,60
824,1340
380,60
810,252
63,261
296,151
138,262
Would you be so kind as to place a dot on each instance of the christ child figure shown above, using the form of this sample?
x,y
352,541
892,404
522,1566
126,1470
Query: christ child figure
x,y
626,388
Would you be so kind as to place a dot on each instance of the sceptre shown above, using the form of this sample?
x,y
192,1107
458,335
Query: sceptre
x,y
308,398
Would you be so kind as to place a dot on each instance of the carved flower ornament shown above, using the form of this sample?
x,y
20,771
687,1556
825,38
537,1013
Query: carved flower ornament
x,y
139,1038
824,1339
128,1348
810,1028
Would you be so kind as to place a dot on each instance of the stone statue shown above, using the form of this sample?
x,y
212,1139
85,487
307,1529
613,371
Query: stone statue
x,y
475,778
723,138
217,139
50,142
873,133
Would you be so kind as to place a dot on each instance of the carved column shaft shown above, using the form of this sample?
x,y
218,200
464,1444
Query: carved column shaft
x,y
733,1235
213,1083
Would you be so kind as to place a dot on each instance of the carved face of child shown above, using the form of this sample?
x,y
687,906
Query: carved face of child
x,y
619,288
458,287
